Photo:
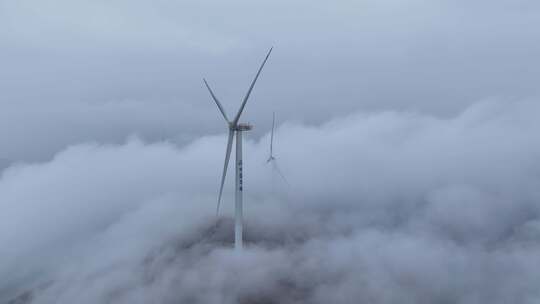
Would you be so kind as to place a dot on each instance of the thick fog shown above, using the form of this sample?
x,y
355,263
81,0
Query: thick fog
x,y
379,208
407,145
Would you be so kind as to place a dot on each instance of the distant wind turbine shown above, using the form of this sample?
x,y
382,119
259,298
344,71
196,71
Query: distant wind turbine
x,y
236,128
272,159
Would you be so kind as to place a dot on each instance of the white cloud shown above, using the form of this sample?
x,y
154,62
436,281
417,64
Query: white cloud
x,y
382,207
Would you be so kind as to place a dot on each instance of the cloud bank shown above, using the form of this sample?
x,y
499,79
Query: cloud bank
x,y
388,207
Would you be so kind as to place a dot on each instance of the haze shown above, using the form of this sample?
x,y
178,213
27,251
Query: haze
x,y
407,131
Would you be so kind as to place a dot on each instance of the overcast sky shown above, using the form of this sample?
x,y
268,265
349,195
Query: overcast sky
x,y
407,131
76,71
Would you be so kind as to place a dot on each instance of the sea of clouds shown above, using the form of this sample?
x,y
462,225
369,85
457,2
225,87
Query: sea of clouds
x,y
384,207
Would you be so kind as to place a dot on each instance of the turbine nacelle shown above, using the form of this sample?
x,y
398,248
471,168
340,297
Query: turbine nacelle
x,y
243,127
240,127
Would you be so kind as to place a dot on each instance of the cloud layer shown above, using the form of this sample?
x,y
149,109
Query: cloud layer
x,y
382,208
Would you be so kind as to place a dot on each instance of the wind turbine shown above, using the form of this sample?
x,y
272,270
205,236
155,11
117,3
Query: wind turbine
x,y
272,159
235,129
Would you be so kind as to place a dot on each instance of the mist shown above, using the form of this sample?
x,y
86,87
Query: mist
x,y
379,207
407,152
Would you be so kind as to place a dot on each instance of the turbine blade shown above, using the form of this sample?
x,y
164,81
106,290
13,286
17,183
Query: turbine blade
x,y
225,166
274,163
237,117
272,135
217,101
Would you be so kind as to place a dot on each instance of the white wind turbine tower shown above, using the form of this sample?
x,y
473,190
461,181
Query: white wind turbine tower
x,y
236,129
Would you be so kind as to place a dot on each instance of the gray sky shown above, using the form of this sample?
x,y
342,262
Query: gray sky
x,y
102,70
407,130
